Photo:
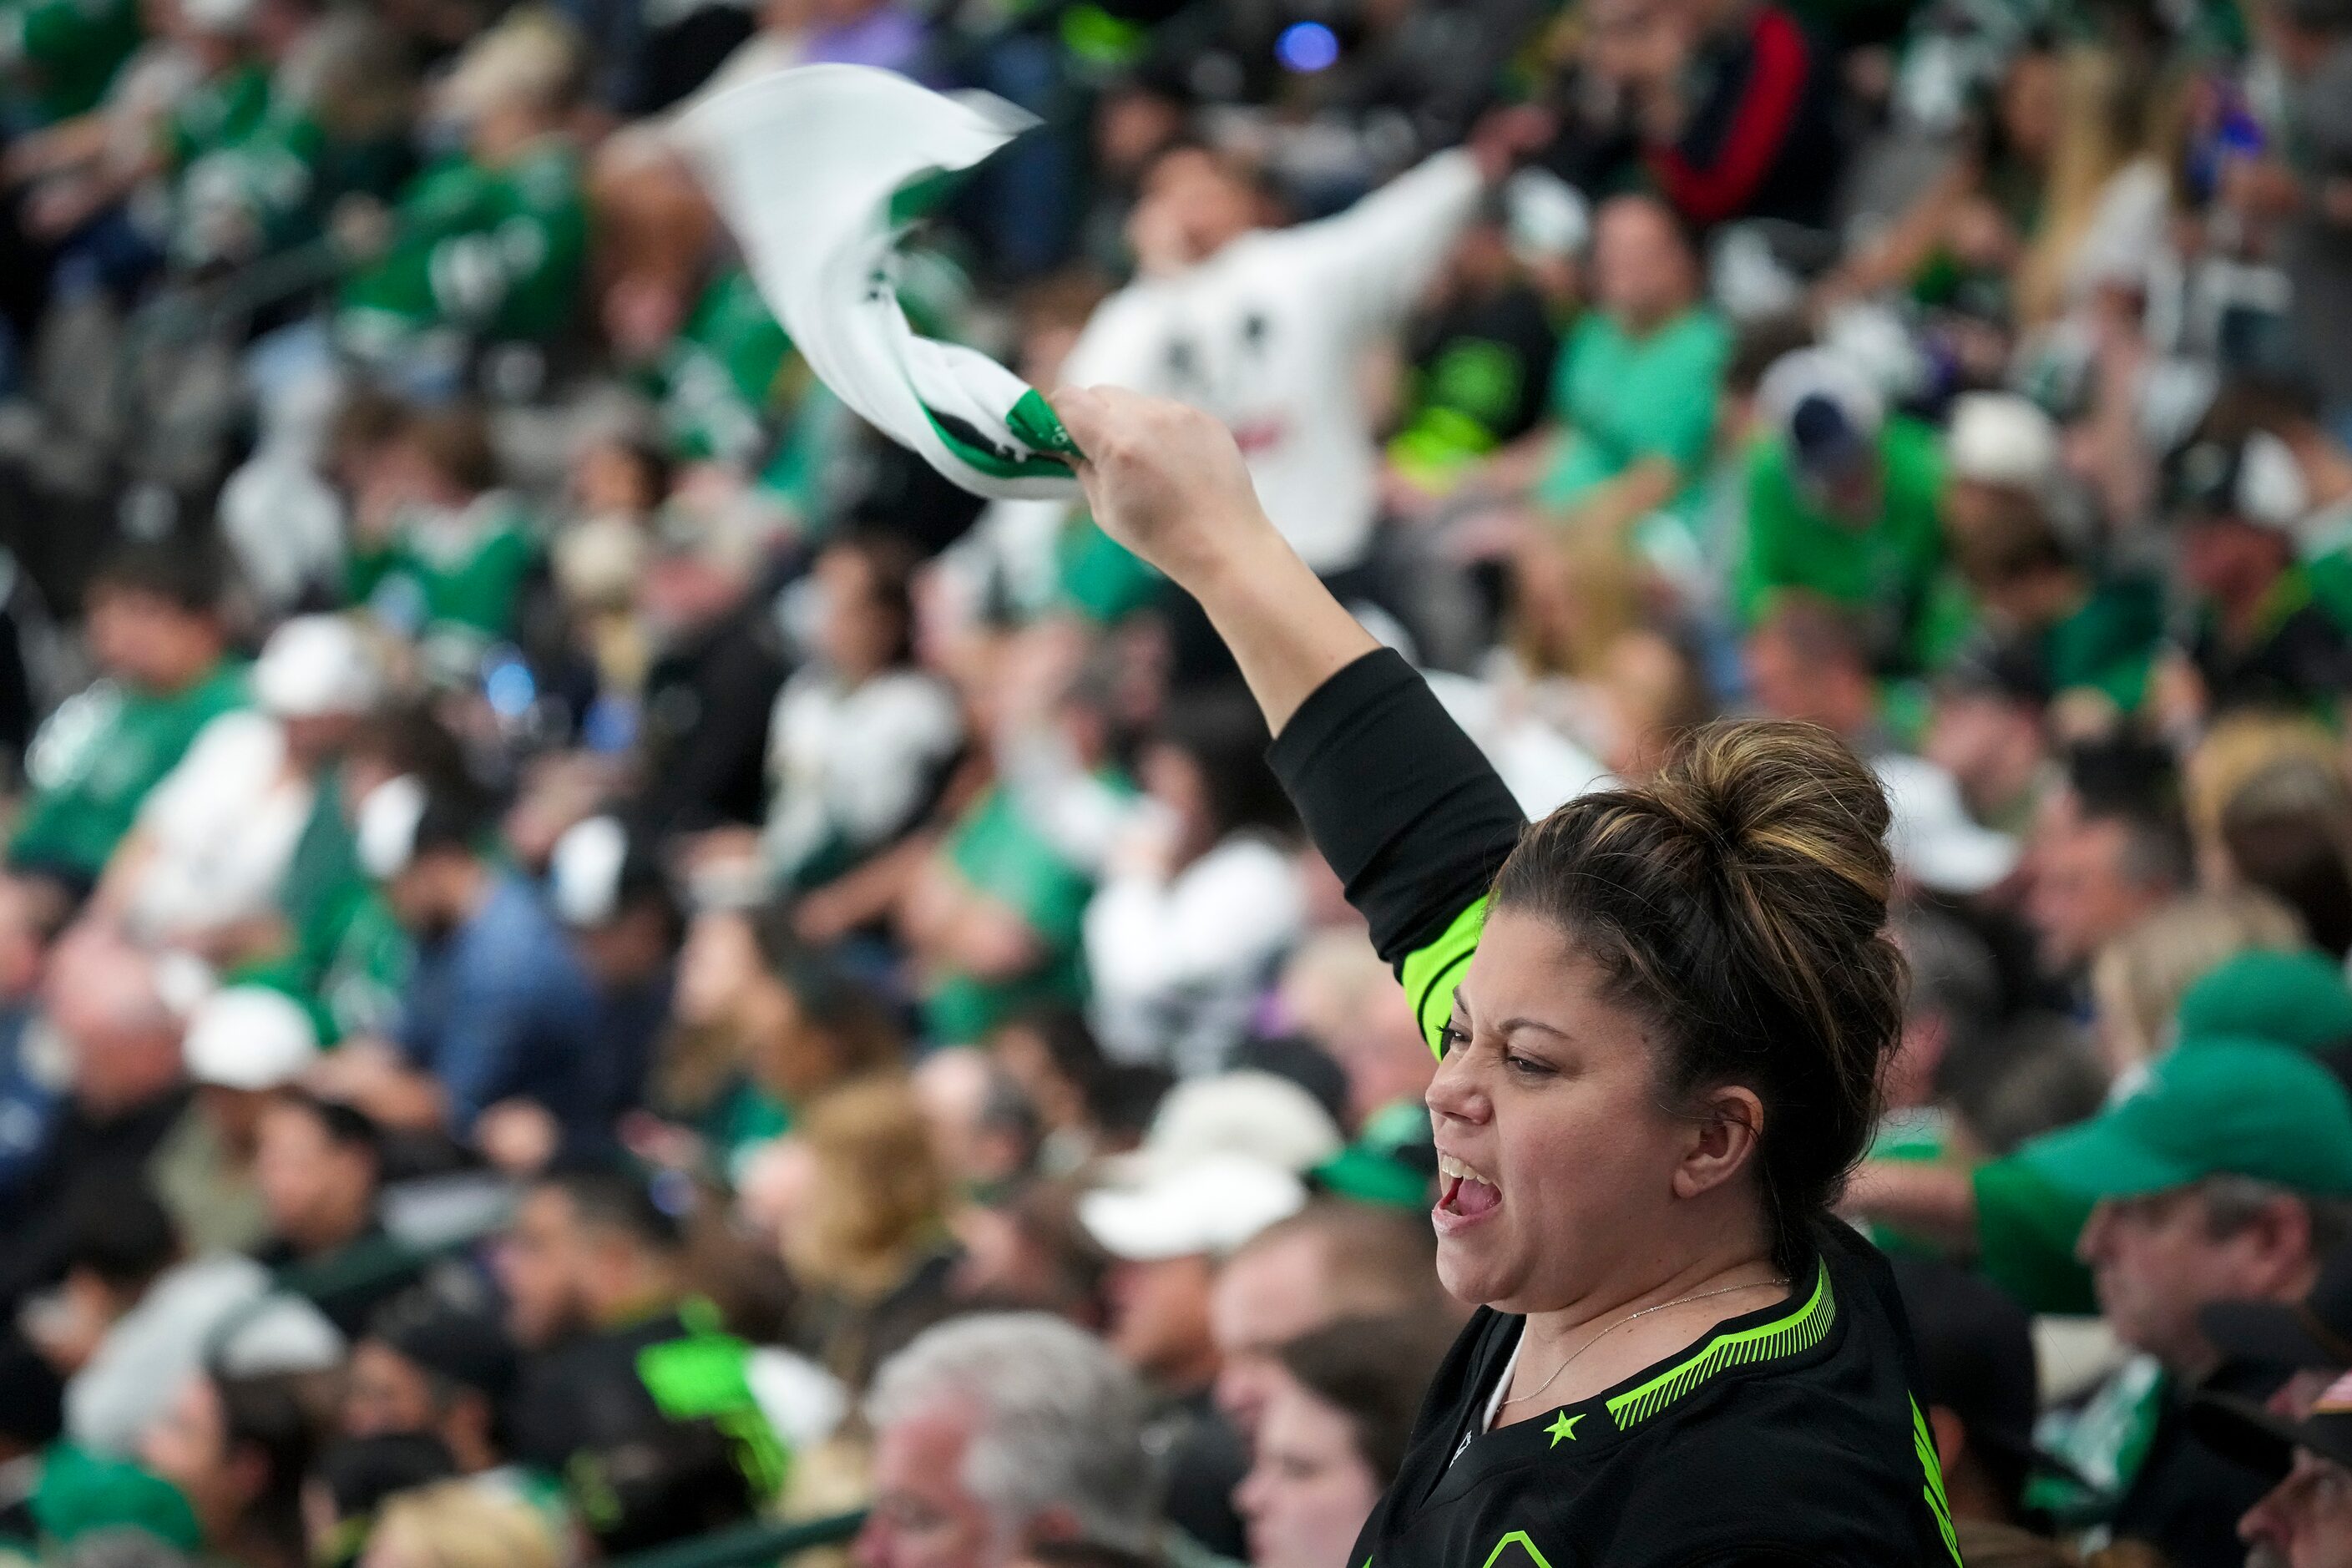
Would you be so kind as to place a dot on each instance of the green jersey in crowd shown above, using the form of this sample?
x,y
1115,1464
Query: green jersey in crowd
x,y
721,382
63,52
1888,570
491,251
248,164
998,848
2108,644
94,759
1621,400
452,577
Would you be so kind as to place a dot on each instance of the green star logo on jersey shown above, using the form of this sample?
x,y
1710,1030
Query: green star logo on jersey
x,y
1563,1425
1527,1552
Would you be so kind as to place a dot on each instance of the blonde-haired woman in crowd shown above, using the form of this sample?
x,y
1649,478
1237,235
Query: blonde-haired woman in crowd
x,y
2137,980
461,1524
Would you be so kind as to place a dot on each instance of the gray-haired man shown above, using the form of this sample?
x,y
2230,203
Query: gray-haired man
x,y
996,1432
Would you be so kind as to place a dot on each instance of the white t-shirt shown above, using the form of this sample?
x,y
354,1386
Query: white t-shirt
x,y
1270,335
1176,964
852,767
222,828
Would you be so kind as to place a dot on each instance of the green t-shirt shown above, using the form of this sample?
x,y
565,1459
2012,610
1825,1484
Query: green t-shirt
x,y
2108,645
446,574
1889,570
723,380
1620,399
65,52
995,847
494,252
94,759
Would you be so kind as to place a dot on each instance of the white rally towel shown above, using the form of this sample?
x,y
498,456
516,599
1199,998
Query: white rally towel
x,y
818,171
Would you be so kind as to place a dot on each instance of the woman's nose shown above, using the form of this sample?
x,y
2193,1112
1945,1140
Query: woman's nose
x,y
1454,1091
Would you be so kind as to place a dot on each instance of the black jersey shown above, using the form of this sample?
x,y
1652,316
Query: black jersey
x,y
1787,1435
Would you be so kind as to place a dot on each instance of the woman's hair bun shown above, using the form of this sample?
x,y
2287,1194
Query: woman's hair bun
x,y
1785,800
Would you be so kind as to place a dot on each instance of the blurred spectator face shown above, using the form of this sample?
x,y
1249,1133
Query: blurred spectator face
x,y
314,739
1160,1319
1993,747
2225,559
539,1262
319,1192
124,1044
1642,273
2032,104
2081,896
384,1392
1191,195
1175,779
1814,679
1309,1491
923,1516
23,911
2158,1260
428,896
1133,125
149,642
2305,1522
188,1446
1265,1297
1636,42
856,632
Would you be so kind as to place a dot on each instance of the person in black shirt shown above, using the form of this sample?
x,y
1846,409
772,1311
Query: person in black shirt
x,y
623,1368
320,1166
1660,1013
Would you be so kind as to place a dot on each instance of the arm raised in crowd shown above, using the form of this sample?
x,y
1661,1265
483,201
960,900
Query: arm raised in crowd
x,y
1402,803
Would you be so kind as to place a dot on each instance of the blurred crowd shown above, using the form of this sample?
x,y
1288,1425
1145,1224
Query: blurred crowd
x,y
591,955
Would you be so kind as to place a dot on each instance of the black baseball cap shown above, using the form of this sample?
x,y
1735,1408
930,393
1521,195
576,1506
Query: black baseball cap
x,y
2265,1440
2314,1332
457,1344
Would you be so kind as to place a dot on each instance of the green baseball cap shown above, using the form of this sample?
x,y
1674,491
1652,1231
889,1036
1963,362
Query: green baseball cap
x,y
81,1492
2230,1107
2297,999
1392,1162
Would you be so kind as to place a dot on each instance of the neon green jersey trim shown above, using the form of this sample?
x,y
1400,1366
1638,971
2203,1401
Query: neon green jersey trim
x,y
1800,1330
1932,1470
1432,972
1517,1538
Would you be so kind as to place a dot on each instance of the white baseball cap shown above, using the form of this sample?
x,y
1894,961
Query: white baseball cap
x,y
385,833
583,873
1260,1116
2001,438
249,1037
1933,839
1212,1205
314,666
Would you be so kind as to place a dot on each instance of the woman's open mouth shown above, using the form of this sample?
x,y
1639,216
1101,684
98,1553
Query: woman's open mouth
x,y
1464,1196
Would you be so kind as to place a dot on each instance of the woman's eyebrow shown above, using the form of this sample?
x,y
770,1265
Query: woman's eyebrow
x,y
1513,1026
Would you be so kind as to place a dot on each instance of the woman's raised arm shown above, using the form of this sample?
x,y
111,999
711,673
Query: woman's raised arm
x,y
1168,482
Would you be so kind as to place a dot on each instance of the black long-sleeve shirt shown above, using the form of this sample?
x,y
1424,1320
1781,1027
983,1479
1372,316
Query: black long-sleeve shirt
x,y
1789,1435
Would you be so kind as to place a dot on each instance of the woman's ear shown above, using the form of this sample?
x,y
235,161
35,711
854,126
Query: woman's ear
x,y
1724,1127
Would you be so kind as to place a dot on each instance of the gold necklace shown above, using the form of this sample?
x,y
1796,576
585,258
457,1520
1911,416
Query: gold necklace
x,y
1679,1302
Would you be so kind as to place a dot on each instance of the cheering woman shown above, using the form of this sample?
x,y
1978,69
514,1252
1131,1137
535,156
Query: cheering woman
x,y
1661,1014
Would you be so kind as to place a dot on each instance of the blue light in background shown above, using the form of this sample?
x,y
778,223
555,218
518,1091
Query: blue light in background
x,y
1306,47
509,688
